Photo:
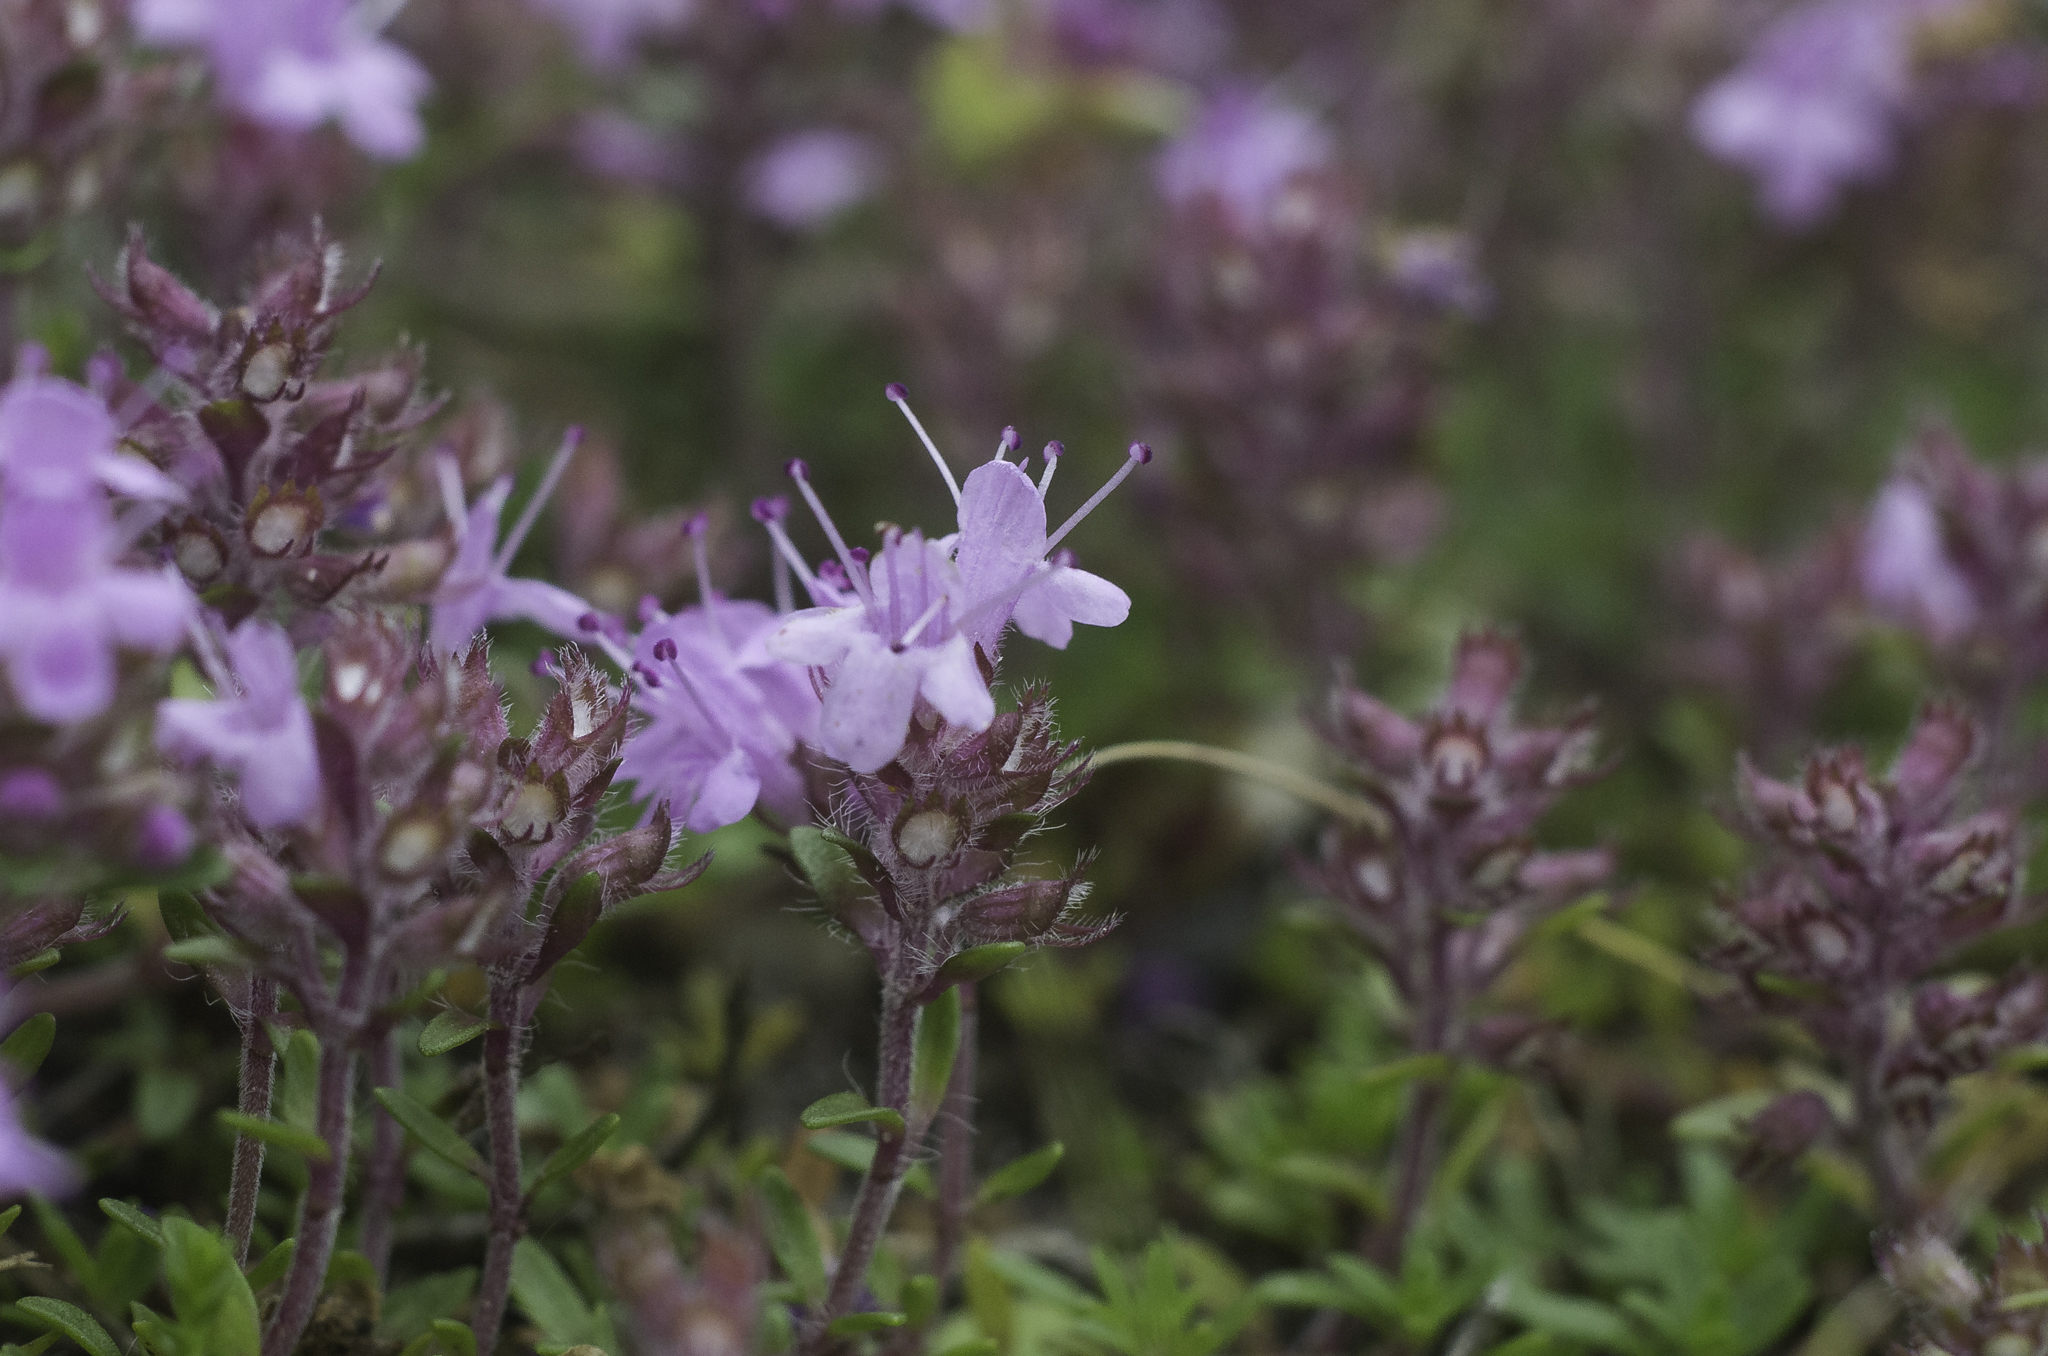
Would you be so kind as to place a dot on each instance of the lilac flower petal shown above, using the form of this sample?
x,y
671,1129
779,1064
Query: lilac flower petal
x,y
805,180
1048,610
816,636
727,795
54,437
1241,152
263,734
1002,537
953,684
146,610
867,708
1905,568
62,670
27,1165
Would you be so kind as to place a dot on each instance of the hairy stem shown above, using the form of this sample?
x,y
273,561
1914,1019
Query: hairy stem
x,y
504,1048
384,1178
876,1200
258,1061
1877,1130
326,1180
956,1145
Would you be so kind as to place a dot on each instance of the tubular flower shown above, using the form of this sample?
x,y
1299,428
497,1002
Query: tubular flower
x,y
907,623
29,1167
264,735
475,589
721,718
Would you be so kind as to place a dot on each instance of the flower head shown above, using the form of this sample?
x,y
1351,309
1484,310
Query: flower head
x,y
1906,571
918,619
475,588
264,734
806,179
293,64
721,718
1241,152
1813,108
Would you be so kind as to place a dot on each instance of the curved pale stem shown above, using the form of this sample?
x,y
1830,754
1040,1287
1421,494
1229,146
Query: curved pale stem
x,y
1343,804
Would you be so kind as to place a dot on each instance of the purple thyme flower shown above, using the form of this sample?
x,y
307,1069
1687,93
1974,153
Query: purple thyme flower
x,y
905,624
65,605
807,178
1813,108
1242,151
475,588
293,64
607,30
721,718
264,734
29,1167
58,439
29,794
1904,569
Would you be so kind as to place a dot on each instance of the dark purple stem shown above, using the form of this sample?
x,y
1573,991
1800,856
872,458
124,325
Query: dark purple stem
x,y
956,1145
876,1200
504,1048
384,1178
325,1183
258,1060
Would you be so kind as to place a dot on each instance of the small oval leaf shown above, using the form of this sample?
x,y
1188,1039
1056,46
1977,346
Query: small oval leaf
x,y
848,1108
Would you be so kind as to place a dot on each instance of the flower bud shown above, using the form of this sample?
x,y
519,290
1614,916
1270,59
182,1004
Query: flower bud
x,y
283,520
265,373
928,835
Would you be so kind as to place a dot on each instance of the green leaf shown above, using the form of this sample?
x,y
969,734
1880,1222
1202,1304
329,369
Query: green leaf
x,y
130,1218
275,1263
298,1089
1415,1068
65,1244
826,867
548,1296
207,949
70,1321
854,1325
978,962
41,961
848,1108
449,1029
931,1065
575,1151
275,1133
1302,1290
855,1152
791,1237
29,1044
209,1295
36,1346
455,1337
974,1346
435,1135
7,1218
920,1300
1020,1175
1577,1320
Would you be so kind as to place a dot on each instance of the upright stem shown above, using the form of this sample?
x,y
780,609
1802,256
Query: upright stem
x,y
258,1061
956,1144
384,1178
325,1182
504,1048
1890,1179
878,1190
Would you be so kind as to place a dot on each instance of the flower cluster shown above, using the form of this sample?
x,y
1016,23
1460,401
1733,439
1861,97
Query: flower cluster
x,y
1957,1312
1878,880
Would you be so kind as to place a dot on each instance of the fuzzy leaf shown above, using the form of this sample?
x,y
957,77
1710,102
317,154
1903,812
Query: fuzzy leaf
x,y
977,963
275,1263
854,1325
69,1320
29,1044
848,1108
435,1135
210,949
128,1217
1020,1175
791,1237
548,1296
575,1151
209,1295
938,1041
450,1029
275,1133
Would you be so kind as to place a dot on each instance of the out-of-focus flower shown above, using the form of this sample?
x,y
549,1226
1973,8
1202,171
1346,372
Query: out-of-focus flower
x,y
27,1165
607,30
66,605
57,439
293,64
907,623
1814,107
1241,152
476,589
264,735
807,178
1437,268
613,145
30,793
1905,570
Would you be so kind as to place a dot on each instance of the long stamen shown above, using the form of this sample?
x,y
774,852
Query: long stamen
x,y
1054,450
1140,454
665,653
449,477
552,477
769,513
900,398
1008,443
698,531
924,619
890,551
779,571
856,575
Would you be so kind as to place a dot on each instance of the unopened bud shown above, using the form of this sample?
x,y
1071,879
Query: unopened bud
x,y
265,374
926,836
